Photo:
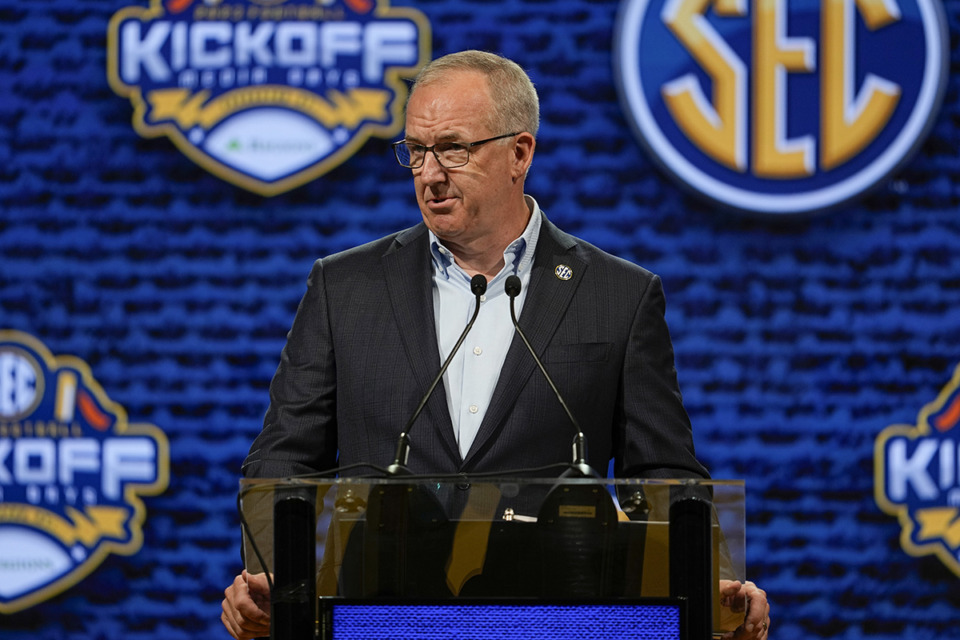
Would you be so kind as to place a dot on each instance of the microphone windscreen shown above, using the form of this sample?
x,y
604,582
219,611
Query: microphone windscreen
x,y
478,284
512,286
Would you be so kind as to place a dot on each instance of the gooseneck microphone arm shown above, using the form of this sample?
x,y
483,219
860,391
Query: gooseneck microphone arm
x,y
580,465
478,285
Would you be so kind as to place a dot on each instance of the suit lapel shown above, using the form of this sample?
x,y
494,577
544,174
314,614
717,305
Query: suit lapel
x,y
546,303
407,271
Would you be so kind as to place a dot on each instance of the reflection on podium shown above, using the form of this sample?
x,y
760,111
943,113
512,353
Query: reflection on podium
x,y
425,558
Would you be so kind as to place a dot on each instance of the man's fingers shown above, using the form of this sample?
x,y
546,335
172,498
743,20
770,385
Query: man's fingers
x,y
252,612
228,623
259,590
732,595
243,614
243,628
746,596
758,611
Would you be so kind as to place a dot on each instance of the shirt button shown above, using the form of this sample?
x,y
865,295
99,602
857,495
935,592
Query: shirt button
x,y
477,351
474,408
483,298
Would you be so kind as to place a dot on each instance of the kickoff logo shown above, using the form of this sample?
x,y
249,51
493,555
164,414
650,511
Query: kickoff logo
x,y
918,477
781,106
71,473
266,94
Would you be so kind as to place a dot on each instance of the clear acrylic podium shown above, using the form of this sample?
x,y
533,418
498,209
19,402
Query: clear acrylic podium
x,y
419,558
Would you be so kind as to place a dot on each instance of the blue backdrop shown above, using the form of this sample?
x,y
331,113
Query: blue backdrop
x,y
797,340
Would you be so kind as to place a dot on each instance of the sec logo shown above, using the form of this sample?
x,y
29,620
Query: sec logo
x,y
781,107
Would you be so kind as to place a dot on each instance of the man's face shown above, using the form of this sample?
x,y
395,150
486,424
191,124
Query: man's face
x,y
475,206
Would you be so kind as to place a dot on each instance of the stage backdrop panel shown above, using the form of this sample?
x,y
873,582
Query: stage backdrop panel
x,y
798,340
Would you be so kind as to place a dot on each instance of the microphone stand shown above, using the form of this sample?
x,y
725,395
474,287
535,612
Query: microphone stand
x,y
478,285
579,467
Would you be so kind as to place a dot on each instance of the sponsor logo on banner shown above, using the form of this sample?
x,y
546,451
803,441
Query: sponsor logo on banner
x,y
781,106
266,94
72,470
918,477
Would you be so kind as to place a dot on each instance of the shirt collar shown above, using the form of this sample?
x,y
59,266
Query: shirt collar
x,y
517,257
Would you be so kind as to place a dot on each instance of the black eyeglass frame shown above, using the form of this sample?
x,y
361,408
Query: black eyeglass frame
x,y
433,149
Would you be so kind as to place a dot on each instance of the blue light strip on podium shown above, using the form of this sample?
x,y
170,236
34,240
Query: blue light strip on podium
x,y
497,621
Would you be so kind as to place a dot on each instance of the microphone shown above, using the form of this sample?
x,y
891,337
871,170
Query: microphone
x,y
478,285
575,554
579,465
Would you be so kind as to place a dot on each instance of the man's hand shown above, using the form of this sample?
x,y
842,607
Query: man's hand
x,y
246,607
746,597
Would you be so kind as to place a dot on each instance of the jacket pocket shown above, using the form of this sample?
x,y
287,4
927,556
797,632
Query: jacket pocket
x,y
585,352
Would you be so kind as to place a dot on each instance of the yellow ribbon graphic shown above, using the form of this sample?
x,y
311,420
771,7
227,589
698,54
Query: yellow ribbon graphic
x,y
939,523
189,109
86,527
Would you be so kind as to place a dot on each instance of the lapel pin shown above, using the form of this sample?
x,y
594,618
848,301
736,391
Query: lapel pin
x,y
563,272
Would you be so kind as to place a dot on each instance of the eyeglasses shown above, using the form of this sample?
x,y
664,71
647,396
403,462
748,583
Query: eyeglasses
x,y
449,154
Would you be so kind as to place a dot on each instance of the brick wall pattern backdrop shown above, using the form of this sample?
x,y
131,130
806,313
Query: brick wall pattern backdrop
x,y
797,340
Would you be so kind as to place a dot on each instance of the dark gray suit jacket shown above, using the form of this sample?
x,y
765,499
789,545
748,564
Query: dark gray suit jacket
x,y
363,350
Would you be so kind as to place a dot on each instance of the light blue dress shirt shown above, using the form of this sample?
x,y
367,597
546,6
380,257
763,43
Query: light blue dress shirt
x,y
470,380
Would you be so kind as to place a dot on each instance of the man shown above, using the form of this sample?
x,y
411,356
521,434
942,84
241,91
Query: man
x,y
370,332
